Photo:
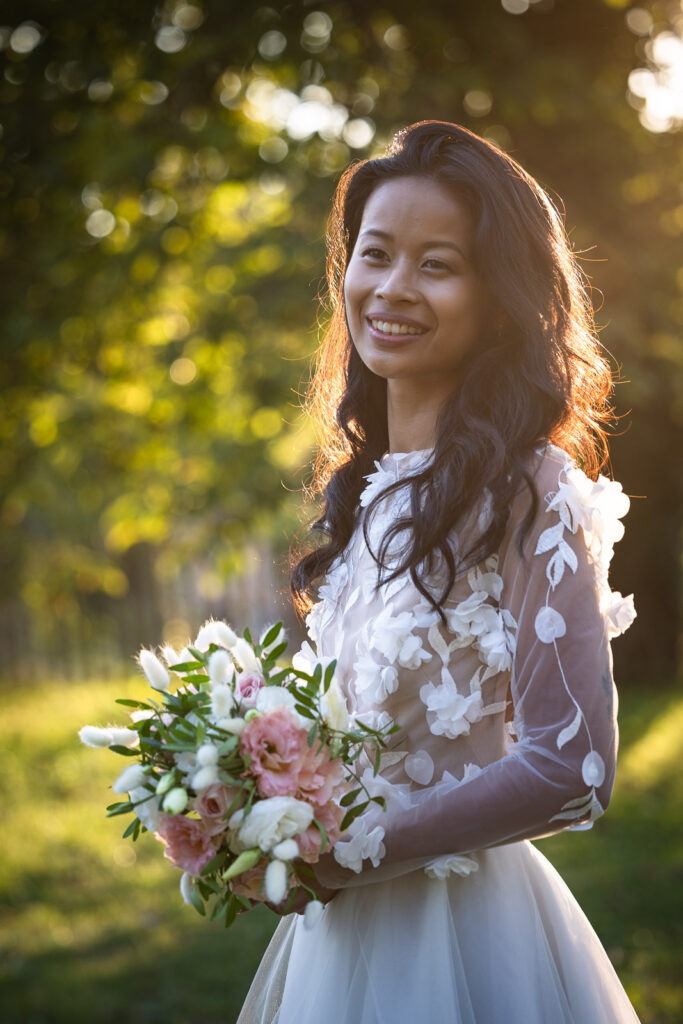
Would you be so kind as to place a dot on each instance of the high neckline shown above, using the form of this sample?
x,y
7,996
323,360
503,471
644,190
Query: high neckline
x,y
420,453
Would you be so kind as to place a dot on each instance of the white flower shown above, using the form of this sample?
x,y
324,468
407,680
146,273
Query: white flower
x,y
597,507
232,725
549,625
175,800
186,887
312,914
157,674
288,849
170,656
270,821
276,881
306,659
313,621
186,761
207,754
148,812
215,632
451,864
496,649
377,681
222,701
124,737
130,778
94,736
619,611
449,712
205,777
244,654
271,697
419,767
392,636
363,845
220,667
333,707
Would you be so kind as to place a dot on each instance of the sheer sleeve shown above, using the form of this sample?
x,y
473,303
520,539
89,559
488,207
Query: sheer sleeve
x,y
560,770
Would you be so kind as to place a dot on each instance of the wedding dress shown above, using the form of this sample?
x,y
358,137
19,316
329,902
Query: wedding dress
x,y
508,733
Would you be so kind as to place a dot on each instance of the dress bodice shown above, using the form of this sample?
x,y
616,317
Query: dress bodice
x,y
506,709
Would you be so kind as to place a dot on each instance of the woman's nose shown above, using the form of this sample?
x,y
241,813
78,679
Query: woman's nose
x,y
397,284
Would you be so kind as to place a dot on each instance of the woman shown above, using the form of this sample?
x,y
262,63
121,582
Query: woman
x,y
465,595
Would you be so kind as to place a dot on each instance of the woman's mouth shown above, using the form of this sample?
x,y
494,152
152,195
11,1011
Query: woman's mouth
x,y
391,329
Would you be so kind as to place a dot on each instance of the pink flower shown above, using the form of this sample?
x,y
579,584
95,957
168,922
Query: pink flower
x,y
310,842
187,843
212,806
277,746
247,686
321,778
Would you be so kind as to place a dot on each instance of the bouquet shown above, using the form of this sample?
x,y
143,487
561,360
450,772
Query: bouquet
x,y
247,772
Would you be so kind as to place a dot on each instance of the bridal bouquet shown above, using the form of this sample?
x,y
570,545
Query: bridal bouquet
x,y
246,772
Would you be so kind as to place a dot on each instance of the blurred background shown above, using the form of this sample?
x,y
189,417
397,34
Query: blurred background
x,y
166,172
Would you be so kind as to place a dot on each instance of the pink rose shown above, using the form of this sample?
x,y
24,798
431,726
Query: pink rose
x,y
247,686
187,843
277,746
310,842
212,806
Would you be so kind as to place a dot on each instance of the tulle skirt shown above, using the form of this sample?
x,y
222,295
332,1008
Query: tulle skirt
x,y
507,944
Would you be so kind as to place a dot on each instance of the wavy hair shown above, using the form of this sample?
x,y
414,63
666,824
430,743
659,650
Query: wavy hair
x,y
541,378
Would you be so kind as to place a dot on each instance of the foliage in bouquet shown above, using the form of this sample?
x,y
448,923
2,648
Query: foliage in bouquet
x,y
247,772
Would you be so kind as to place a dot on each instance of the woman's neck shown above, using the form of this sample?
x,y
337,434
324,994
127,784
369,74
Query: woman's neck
x,y
412,411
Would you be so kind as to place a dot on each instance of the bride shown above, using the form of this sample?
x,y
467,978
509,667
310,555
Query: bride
x,y
463,588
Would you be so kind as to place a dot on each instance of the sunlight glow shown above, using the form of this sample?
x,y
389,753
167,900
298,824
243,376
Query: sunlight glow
x,y
657,91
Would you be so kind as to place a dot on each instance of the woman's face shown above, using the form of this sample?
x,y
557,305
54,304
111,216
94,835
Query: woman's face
x,y
414,304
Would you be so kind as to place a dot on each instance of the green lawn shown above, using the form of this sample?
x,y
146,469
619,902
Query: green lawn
x,y
92,928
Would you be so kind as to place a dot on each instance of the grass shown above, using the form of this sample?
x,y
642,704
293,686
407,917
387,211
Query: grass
x,y
92,928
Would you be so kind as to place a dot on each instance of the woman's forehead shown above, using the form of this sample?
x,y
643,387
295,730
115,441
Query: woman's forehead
x,y
418,207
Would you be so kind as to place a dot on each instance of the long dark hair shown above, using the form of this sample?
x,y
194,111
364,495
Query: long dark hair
x,y
540,378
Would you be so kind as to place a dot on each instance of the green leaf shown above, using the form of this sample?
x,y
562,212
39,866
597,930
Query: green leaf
x,y
215,863
231,911
304,711
132,703
277,651
379,800
197,903
227,746
133,827
323,832
219,910
272,634
353,814
247,636
244,862
329,673
348,798
378,761
312,733
124,751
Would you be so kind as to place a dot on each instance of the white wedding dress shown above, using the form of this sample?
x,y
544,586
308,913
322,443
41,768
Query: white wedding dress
x,y
508,733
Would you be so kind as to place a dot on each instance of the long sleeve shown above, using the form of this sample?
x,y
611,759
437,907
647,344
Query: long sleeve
x,y
560,614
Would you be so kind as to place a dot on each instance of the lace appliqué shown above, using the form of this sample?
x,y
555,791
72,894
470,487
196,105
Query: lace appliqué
x,y
596,507
487,628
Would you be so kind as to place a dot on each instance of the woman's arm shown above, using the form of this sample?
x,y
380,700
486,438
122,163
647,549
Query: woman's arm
x,y
561,771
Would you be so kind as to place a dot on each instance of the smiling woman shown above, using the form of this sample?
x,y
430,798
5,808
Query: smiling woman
x,y
463,592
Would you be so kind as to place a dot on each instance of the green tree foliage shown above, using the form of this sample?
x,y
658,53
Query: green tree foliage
x,y
166,172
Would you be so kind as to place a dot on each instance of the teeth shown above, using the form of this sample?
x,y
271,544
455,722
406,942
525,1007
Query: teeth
x,y
387,327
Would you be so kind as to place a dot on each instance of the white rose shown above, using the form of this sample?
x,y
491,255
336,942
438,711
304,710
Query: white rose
x,y
270,821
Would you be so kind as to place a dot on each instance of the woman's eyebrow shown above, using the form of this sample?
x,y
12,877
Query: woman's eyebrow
x,y
435,243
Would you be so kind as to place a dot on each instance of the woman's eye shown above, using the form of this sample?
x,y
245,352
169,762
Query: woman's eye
x,y
435,264
374,254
